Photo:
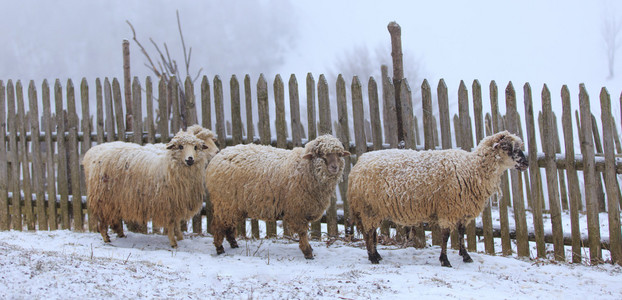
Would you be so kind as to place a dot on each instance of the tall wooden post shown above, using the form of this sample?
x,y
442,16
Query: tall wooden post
x,y
398,73
127,85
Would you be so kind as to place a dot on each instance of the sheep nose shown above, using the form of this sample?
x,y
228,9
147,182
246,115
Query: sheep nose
x,y
333,169
190,161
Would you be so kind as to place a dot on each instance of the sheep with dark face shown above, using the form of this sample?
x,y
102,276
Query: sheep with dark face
x,y
262,182
157,182
444,187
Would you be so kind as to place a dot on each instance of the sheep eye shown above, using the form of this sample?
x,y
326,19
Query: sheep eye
x,y
196,148
181,147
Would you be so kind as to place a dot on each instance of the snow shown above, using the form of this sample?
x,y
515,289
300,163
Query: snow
x,y
73,265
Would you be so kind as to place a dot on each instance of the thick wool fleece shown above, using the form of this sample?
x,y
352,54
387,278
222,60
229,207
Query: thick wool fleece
x,y
438,186
262,182
153,182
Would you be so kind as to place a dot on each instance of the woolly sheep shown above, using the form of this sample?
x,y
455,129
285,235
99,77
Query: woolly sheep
x,y
164,183
262,182
445,187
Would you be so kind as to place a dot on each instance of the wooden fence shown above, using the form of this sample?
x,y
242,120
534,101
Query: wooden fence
x,y
40,175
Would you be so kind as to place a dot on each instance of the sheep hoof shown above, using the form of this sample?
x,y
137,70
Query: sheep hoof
x,y
444,261
174,246
375,258
234,245
467,259
220,250
309,257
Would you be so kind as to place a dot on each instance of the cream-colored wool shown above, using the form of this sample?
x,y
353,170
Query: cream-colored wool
x,y
444,187
262,182
158,182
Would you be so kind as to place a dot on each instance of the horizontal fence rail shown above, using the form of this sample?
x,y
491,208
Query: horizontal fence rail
x,y
565,176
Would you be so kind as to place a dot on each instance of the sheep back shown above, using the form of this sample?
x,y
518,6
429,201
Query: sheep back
x,y
410,187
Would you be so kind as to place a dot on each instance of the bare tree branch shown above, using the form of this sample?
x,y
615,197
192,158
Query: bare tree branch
x,y
142,49
183,45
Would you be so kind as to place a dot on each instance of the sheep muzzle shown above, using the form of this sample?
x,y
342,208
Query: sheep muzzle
x,y
521,161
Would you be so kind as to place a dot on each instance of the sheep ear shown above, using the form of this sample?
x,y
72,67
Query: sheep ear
x,y
204,147
170,146
308,156
344,153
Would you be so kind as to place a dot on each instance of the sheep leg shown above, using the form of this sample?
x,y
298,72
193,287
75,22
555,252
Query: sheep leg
x,y
463,252
171,233
103,230
230,233
371,240
443,258
303,244
117,226
178,233
219,236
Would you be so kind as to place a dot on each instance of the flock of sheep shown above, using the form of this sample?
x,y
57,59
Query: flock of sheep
x,y
166,183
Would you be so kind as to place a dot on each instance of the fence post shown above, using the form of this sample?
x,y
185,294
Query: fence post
x,y
479,135
522,239
398,75
589,177
219,109
206,109
497,124
74,158
250,128
343,133
49,146
325,127
110,132
37,160
551,174
99,104
149,103
24,158
163,110
534,173
466,137
613,200
118,110
294,108
571,175
428,133
127,85
4,176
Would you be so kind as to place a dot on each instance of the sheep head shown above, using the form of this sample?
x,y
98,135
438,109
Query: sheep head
x,y
192,145
326,153
509,149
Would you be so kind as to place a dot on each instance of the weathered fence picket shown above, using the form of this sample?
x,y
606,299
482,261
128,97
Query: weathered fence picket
x,y
613,200
37,160
534,173
548,146
589,177
4,176
571,175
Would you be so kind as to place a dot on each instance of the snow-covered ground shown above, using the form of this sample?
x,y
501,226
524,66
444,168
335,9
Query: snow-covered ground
x,y
71,265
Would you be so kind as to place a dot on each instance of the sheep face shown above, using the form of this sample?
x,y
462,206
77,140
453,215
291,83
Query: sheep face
x,y
326,155
509,147
188,149
329,164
